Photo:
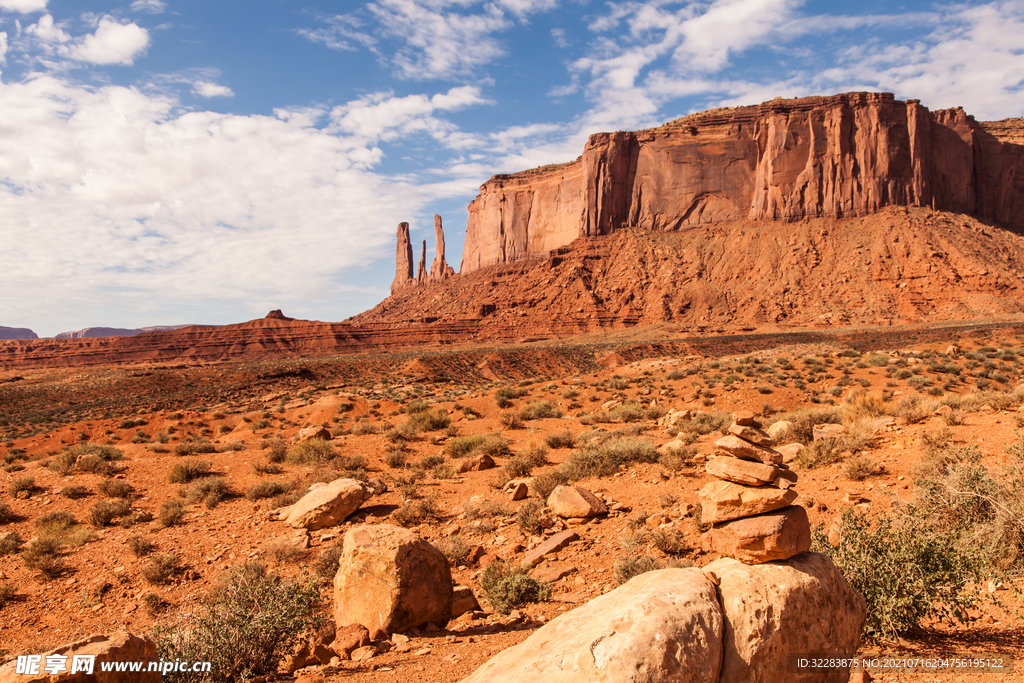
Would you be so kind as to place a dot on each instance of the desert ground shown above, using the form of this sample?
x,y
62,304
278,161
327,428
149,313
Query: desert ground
x,y
128,491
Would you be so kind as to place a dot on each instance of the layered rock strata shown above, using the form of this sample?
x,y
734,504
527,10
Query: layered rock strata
x,y
750,504
840,156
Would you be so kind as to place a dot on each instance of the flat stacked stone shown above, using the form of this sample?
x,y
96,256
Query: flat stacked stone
x,y
750,505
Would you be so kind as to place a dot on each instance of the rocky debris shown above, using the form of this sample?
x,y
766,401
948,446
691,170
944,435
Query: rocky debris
x,y
550,573
803,604
645,179
519,490
403,260
463,600
326,505
673,417
349,638
660,626
309,433
119,647
740,448
390,579
476,463
553,544
439,270
777,535
575,502
724,500
750,504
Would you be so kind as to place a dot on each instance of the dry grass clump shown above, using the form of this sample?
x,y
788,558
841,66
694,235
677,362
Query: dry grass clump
x,y
671,542
282,551
171,513
915,409
602,459
326,564
8,591
194,447
265,467
508,585
536,410
413,512
20,484
103,512
517,467
267,489
6,513
311,452
276,449
563,439
161,568
140,545
678,459
860,468
633,565
74,491
803,421
187,470
43,555
529,517
510,420
476,444
430,420
211,491
454,548
115,488
862,404
546,482
821,453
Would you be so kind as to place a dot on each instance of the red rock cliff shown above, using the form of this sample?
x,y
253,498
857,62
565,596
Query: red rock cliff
x,y
840,156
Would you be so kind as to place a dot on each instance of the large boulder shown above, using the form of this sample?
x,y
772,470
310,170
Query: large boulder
x,y
723,500
390,579
575,502
119,647
776,610
327,505
660,626
740,448
742,471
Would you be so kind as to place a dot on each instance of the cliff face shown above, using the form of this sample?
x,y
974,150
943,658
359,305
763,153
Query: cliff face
x,y
840,156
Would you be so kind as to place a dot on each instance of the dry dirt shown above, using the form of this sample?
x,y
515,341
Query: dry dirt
x,y
149,413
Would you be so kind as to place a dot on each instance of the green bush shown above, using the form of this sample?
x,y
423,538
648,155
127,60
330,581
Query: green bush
x,y
245,626
877,558
508,585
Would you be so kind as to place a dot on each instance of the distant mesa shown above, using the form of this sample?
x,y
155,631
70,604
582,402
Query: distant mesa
x,y
92,332
276,314
17,333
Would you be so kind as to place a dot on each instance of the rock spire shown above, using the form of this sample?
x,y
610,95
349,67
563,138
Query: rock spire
x,y
404,274
403,259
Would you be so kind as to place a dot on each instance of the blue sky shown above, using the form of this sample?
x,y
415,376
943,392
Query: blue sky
x,y
167,162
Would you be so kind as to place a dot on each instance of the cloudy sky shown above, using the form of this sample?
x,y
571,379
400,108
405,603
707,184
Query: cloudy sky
x,y
169,161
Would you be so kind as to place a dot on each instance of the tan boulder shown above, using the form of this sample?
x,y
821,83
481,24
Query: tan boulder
x,y
743,418
777,535
350,638
741,471
673,417
463,600
390,579
723,500
575,501
119,647
751,434
790,451
477,463
777,429
786,479
327,505
660,626
318,432
828,431
735,446
775,610
672,446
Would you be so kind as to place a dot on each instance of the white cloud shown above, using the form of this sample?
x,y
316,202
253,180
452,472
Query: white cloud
x,y
23,6
112,43
3,47
46,31
114,198
208,90
383,117
150,6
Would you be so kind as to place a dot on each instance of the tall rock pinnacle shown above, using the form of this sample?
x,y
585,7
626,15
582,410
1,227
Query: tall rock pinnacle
x,y
421,273
439,270
403,259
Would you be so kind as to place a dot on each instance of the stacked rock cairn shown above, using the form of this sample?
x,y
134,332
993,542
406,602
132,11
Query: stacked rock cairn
x,y
750,506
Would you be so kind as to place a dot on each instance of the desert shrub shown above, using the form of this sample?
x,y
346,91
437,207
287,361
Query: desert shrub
x,y
476,444
803,422
194,447
671,542
510,420
7,592
536,410
326,565
103,512
862,404
277,450
140,545
10,543
6,513
599,460
454,548
74,491
362,428
64,463
899,601
286,499
705,423
954,418
546,482
54,524
20,484
677,459
265,467
507,585
821,453
860,468
413,512
627,567
211,491
535,453
187,470
44,556
115,488
102,451
430,420
282,550
914,409
396,459
161,568
311,452
517,467
171,513
429,462
528,517
244,627
267,489
154,604
563,439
